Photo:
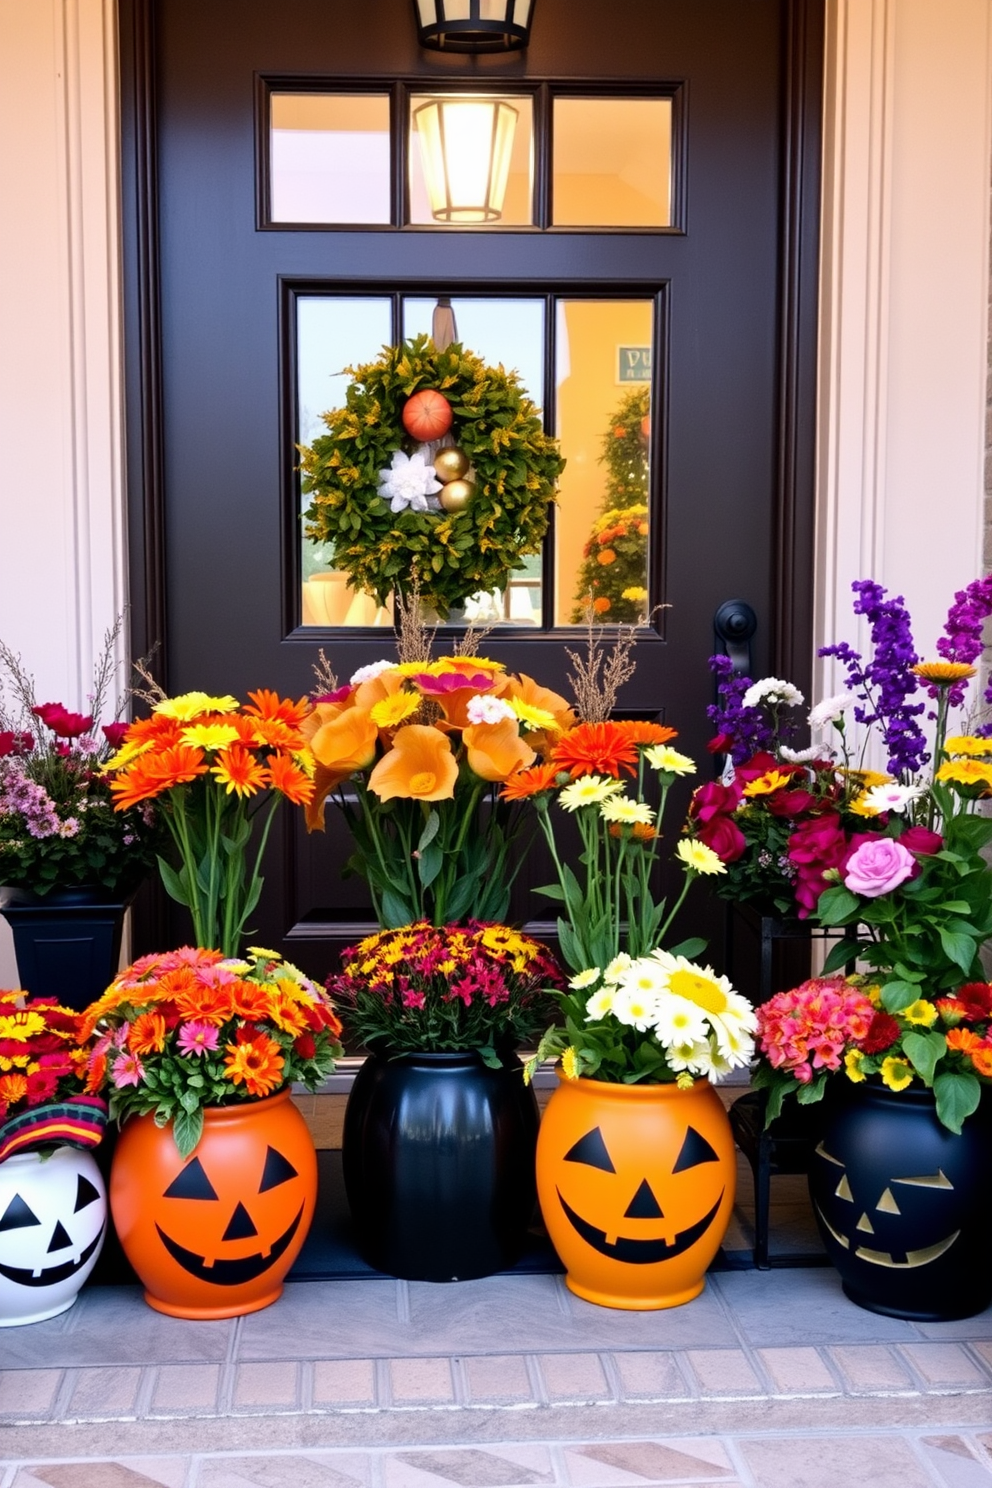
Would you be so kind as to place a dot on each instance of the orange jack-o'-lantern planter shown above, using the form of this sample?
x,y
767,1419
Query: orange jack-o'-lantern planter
x,y
636,1184
213,1235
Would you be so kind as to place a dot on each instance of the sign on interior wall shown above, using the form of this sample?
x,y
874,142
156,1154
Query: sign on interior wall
x,y
633,364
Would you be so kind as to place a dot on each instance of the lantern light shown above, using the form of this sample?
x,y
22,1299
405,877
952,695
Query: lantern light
x,y
466,143
473,25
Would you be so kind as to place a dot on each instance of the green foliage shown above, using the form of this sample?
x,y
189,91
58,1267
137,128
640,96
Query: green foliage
x,y
453,555
613,573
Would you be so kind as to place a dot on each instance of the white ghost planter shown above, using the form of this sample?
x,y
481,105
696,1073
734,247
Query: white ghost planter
x,y
53,1220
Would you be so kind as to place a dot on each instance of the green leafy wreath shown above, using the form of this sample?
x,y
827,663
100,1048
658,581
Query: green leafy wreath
x,y
456,554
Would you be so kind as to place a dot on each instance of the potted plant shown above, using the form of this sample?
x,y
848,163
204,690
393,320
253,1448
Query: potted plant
x,y
913,888
440,1129
53,1203
214,1175
68,862
215,770
635,1161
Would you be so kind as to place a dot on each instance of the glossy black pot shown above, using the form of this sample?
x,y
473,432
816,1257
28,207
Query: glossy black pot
x,y
905,1206
67,942
438,1154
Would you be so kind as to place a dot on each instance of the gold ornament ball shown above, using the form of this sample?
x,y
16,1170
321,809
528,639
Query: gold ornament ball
x,y
450,464
456,495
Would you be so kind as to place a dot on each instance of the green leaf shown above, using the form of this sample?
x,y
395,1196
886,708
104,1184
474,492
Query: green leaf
x,y
396,911
691,948
429,864
835,905
187,1128
571,948
958,948
808,1095
173,884
897,995
923,1050
431,828
552,891
841,954
958,1094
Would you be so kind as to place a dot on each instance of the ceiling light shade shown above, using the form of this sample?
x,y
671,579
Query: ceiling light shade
x,y
474,25
466,144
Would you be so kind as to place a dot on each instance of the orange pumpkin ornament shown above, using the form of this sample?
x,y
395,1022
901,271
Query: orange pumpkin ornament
x,y
636,1184
213,1235
427,415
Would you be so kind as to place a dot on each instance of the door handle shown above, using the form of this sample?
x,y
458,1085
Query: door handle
x,y
733,625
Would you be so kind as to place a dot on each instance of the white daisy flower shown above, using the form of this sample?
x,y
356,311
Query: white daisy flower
x,y
587,978
368,673
617,967
663,758
698,1057
831,710
730,1015
772,690
699,857
409,482
600,1005
890,797
623,809
485,709
588,790
679,1022
635,1008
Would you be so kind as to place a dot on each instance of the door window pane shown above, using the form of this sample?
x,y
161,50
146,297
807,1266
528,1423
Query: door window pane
x,y
604,350
612,162
471,160
333,333
329,158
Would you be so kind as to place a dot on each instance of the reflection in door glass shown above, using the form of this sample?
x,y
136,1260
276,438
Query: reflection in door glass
x,y
333,333
603,377
612,162
329,158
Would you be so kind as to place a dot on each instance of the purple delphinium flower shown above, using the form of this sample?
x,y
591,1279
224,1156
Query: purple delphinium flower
x,y
746,729
886,682
962,638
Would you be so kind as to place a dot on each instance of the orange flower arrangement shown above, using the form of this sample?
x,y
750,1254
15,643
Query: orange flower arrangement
x,y
178,1032
212,767
424,748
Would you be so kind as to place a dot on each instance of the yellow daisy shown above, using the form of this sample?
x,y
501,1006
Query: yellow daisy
x,y
191,704
210,735
968,744
390,711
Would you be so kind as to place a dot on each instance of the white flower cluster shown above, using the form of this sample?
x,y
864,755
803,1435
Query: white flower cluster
x,y
370,672
484,709
772,690
703,1025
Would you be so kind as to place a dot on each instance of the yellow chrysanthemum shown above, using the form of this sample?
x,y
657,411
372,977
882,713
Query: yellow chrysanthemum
x,y
866,778
191,704
943,673
390,711
772,780
852,1065
968,744
21,1026
965,772
669,761
684,1080
896,1073
570,1064
210,735
635,594
534,718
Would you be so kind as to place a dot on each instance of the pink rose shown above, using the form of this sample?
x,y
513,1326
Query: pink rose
x,y
878,866
714,799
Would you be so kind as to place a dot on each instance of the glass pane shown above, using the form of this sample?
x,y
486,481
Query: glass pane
x,y
511,333
612,162
603,355
329,157
333,333
471,160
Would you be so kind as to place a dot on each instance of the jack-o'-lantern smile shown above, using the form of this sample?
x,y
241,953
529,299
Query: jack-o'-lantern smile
x,y
231,1272
19,1218
882,1205
641,1250
50,1275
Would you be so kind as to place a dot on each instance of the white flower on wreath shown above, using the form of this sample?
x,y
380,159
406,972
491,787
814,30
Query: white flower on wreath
x,y
409,482
772,690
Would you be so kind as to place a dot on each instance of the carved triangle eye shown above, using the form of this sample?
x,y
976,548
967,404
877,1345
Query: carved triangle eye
x,y
278,1169
591,1150
887,1203
17,1215
695,1150
191,1183
843,1189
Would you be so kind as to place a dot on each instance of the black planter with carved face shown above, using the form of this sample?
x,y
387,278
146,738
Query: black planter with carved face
x,y
904,1205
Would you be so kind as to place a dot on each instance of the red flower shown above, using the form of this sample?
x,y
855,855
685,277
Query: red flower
x,y
66,725
14,743
714,799
975,999
922,841
42,1085
789,802
816,845
114,733
759,764
720,744
724,836
305,1045
883,1030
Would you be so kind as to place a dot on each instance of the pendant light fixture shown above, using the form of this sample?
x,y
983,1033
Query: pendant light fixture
x,y
474,25
466,142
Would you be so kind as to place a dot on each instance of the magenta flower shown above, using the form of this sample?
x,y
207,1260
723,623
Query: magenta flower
x,y
878,866
61,722
128,1070
197,1037
447,682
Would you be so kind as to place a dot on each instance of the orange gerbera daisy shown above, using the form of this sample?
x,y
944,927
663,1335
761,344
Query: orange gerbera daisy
x,y
648,733
420,766
270,706
249,1001
96,1074
208,1004
238,770
963,1039
943,672
147,1034
496,750
257,1064
286,777
152,774
532,782
13,1088
595,749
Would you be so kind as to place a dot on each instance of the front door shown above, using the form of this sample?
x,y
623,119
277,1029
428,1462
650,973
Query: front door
x,y
247,290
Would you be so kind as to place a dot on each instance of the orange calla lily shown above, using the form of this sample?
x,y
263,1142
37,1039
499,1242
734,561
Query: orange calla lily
x,y
420,766
495,750
343,743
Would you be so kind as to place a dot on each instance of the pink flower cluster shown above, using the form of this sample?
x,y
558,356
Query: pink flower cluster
x,y
808,1028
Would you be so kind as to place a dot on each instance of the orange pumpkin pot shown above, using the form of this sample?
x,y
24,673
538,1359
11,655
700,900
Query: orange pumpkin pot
x,y
213,1235
636,1184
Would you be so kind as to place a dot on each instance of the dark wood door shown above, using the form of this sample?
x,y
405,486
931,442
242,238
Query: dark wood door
x,y
210,415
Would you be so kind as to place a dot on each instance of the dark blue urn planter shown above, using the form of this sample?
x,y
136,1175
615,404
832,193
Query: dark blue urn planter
x,y
67,942
438,1154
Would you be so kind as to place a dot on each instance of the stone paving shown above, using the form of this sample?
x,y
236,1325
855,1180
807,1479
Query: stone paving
x,y
768,1380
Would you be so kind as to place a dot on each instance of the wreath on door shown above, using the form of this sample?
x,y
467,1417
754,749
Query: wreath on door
x,y
386,510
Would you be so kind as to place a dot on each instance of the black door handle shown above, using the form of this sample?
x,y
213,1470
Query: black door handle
x,y
733,625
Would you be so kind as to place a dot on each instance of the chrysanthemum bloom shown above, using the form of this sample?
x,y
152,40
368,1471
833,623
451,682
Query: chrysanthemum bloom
x,y
239,772
390,712
210,734
191,704
968,744
153,773
269,706
595,749
668,761
531,782
943,672
420,766
495,751
587,790
287,777
647,734
147,1034
967,772
257,1064
764,785
699,857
